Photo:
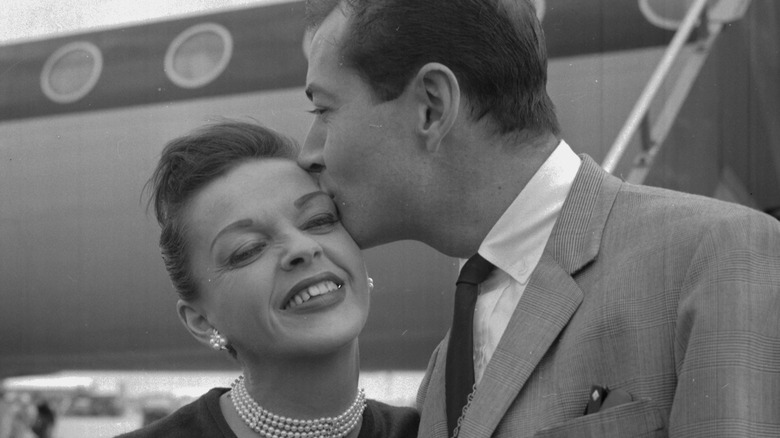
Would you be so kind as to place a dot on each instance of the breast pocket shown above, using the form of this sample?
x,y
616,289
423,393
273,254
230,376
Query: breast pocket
x,y
635,419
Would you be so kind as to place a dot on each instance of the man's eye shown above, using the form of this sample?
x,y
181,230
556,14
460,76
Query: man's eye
x,y
244,254
318,112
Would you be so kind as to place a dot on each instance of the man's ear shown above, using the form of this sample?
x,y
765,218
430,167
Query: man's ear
x,y
438,96
194,321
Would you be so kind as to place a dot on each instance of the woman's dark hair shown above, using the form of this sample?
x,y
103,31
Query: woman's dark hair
x,y
495,48
189,163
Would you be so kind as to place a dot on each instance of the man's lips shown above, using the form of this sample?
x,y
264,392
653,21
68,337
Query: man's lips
x,y
324,186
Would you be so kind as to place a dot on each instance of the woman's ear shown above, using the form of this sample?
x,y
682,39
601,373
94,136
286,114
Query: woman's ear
x,y
438,101
195,322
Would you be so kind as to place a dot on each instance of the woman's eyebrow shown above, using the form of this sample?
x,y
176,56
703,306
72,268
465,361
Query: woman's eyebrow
x,y
305,199
239,224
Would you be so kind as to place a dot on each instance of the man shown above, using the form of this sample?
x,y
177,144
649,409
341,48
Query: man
x,y
433,123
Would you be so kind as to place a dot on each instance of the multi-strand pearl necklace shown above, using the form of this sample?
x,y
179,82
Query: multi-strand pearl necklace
x,y
271,425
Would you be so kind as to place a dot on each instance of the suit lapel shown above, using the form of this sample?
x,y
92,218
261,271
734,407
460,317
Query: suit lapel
x,y
576,237
549,301
433,421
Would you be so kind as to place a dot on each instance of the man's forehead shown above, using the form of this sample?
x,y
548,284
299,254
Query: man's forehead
x,y
324,51
331,31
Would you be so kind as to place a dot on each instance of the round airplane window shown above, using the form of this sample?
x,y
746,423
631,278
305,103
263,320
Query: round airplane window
x,y
198,55
668,14
71,72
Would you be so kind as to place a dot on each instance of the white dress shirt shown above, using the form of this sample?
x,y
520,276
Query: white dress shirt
x,y
515,245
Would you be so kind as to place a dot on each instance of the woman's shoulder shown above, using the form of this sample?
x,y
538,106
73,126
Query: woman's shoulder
x,y
381,420
201,418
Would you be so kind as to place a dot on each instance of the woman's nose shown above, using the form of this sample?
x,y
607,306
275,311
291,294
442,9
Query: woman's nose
x,y
302,250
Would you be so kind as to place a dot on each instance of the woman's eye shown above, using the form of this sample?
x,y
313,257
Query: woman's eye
x,y
244,254
322,222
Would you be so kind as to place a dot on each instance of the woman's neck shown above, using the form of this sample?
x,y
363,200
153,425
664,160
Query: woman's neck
x,y
306,388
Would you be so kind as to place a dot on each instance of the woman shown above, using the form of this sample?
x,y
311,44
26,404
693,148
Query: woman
x,y
265,272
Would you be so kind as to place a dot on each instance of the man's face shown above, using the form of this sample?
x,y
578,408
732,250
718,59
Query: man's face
x,y
363,149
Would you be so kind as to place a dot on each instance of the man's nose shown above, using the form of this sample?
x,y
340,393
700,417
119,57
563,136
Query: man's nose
x,y
310,158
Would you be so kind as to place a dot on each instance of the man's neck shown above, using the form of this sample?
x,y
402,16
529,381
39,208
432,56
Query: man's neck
x,y
479,192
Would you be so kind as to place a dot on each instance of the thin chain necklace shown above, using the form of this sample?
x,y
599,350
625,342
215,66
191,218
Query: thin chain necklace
x,y
270,425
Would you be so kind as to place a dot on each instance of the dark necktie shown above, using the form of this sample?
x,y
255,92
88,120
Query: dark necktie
x,y
459,376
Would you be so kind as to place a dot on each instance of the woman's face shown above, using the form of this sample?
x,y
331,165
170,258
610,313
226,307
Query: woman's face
x,y
278,274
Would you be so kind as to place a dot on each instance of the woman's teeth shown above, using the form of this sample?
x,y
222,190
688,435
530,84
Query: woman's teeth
x,y
311,291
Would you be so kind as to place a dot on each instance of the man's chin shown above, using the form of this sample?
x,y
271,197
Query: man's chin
x,y
365,237
356,230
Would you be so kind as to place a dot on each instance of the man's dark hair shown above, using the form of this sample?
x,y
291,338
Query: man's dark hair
x,y
495,48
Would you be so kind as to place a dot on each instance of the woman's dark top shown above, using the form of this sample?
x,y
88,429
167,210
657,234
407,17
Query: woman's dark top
x,y
203,419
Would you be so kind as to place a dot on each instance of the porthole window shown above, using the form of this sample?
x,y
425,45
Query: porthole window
x,y
71,72
666,14
198,55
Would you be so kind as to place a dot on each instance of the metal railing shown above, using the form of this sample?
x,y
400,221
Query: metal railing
x,y
653,135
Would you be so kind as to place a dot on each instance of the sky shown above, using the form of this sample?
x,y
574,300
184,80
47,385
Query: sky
x,y
24,20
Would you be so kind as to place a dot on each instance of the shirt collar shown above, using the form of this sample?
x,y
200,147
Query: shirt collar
x,y
517,240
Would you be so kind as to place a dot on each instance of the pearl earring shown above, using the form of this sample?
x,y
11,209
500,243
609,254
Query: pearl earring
x,y
217,341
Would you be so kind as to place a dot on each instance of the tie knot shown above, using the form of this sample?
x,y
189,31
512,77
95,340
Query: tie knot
x,y
475,271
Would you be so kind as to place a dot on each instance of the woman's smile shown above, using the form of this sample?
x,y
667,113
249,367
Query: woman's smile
x,y
330,297
313,292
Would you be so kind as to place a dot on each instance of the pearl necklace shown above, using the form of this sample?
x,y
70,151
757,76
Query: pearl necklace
x,y
271,425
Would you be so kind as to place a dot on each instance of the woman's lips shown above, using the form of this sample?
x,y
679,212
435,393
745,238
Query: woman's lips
x,y
313,291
